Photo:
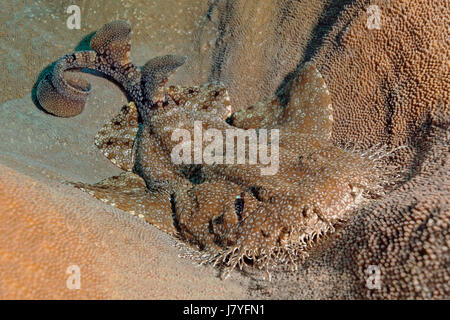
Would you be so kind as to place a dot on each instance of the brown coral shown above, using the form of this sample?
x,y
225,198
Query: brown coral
x,y
385,85
333,273
403,99
49,228
259,43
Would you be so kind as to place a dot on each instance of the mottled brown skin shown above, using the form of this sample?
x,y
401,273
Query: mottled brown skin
x,y
316,186
231,211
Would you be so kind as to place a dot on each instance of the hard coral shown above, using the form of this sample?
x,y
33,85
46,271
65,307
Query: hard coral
x,y
398,80
387,85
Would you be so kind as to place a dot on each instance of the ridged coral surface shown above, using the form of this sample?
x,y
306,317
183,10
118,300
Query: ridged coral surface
x,y
388,85
49,229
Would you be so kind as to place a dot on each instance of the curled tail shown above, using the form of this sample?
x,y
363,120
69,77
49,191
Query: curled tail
x,y
64,95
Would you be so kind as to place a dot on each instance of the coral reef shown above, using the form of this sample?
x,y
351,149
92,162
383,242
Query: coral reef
x,y
388,85
51,227
401,98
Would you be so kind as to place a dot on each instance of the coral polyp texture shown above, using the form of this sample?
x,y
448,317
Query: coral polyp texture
x,y
388,85
231,212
